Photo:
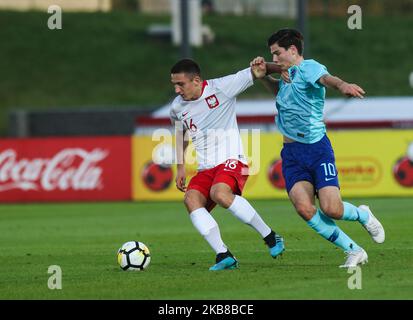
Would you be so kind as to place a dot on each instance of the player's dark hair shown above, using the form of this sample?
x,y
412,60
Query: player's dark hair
x,y
187,66
285,38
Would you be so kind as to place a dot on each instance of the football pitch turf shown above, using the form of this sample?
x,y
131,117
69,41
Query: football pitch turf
x,y
83,239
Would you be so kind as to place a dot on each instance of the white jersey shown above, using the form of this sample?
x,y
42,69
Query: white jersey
x,y
211,120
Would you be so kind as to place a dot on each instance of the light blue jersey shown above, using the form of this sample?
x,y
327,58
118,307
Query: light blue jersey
x,y
300,104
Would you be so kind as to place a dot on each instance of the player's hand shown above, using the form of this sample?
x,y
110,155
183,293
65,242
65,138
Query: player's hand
x,y
285,76
180,179
258,67
351,90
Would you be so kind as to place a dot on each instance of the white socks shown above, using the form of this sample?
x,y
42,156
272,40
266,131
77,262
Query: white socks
x,y
242,209
208,228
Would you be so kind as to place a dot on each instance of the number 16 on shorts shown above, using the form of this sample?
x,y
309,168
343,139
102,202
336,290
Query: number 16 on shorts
x,y
231,164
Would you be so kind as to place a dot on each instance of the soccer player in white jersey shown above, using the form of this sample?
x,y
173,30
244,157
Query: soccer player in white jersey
x,y
308,162
205,109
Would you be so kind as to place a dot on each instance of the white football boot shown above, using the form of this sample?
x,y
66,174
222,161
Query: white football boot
x,y
373,226
355,258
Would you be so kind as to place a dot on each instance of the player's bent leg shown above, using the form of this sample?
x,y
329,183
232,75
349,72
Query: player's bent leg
x,y
326,227
367,219
194,199
222,194
332,206
243,210
301,196
352,213
204,222
330,202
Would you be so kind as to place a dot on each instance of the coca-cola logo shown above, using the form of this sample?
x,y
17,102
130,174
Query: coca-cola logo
x,y
71,168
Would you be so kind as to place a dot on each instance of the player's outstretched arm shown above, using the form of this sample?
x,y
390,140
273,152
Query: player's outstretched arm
x,y
258,68
261,69
348,89
273,68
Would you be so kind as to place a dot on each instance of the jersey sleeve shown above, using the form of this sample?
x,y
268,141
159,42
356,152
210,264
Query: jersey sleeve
x,y
312,72
232,85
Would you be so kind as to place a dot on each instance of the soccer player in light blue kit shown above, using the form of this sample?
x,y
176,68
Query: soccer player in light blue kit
x,y
308,162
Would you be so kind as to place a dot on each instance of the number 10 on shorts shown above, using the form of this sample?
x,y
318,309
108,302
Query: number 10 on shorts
x,y
329,169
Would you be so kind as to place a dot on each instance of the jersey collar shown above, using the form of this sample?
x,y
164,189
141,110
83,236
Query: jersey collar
x,y
204,84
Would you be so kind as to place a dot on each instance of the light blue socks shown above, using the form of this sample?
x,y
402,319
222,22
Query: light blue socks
x,y
326,227
352,213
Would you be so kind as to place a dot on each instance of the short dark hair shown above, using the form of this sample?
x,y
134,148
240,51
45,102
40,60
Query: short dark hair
x,y
285,38
188,66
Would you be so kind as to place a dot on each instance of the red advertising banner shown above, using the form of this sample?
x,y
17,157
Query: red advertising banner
x,y
65,169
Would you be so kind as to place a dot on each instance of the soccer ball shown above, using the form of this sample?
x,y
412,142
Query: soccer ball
x,y
134,256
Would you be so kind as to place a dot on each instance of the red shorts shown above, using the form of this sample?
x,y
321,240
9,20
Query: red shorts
x,y
232,172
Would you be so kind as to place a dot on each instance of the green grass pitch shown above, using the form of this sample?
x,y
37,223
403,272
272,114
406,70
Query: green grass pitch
x,y
83,239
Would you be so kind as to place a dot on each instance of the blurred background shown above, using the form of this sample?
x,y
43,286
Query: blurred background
x,y
87,152
104,75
